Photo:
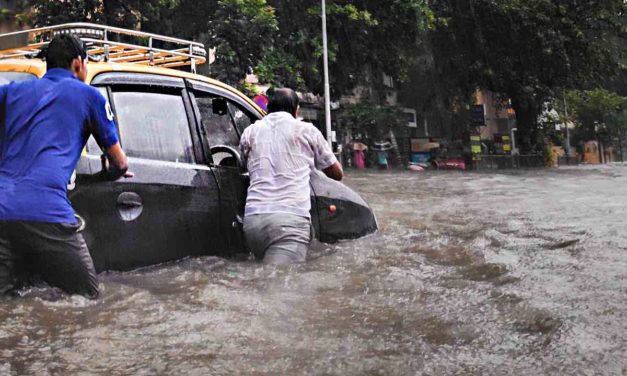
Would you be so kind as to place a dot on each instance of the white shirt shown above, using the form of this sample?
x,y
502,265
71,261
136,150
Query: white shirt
x,y
280,153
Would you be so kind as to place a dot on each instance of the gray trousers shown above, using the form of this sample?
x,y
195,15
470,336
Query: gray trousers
x,y
278,238
56,252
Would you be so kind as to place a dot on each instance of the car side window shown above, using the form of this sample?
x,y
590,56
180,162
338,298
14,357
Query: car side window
x,y
242,118
154,125
217,122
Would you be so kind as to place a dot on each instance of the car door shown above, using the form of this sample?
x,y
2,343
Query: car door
x,y
222,117
170,208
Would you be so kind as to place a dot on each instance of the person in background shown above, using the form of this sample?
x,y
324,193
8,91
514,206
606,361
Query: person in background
x,y
44,125
359,157
280,153
382,148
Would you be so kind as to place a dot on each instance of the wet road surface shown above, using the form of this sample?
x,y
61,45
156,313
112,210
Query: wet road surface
x,y
515,273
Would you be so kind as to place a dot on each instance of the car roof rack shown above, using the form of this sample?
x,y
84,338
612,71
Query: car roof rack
x,y
112,44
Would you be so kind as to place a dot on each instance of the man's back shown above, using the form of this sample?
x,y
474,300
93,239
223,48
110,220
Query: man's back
x,y
42,132
281,152
44,125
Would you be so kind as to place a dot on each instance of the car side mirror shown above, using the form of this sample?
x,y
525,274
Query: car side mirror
x,y
219,106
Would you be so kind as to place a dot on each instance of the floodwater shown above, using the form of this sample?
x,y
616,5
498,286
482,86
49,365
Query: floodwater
x,y
508,273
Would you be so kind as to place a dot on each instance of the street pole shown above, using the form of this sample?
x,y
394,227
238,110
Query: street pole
x,y
512,138
566,124
327,90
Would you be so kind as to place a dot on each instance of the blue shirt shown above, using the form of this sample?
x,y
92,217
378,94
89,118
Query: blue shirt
x,y
44,125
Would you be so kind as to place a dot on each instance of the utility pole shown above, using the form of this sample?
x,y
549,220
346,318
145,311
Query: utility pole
x,y
327,90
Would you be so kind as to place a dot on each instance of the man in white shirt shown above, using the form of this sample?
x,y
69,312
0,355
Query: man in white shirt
x,y
280,152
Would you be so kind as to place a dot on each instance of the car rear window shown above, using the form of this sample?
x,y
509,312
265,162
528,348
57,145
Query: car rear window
x,y
8,77
154,126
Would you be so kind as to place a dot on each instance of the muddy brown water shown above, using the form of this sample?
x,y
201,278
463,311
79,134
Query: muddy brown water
x,y
508,273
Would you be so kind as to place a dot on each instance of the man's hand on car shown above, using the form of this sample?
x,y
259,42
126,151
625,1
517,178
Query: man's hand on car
x,y
116,163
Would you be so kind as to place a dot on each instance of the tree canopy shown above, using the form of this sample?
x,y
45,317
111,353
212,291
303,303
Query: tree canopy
x,y
280,40
598,111
526,50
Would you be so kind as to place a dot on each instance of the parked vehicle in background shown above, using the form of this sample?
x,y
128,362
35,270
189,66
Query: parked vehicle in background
x,y
181,133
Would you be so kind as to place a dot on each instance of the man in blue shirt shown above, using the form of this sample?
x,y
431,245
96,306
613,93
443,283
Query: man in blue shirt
x,y
44,125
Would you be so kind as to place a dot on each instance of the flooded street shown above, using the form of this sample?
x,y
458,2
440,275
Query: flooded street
x,y
509,273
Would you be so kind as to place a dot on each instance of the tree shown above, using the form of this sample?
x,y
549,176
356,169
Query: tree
x,y
598,111
526,50
365,40
241,31
279,39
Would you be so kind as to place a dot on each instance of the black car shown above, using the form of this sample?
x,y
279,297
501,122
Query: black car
x,y
181,133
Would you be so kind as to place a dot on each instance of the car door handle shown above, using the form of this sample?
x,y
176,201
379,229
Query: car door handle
x,y
130,206
129,203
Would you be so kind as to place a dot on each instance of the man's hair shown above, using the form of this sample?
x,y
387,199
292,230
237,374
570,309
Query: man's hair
x,y
62,50
283,99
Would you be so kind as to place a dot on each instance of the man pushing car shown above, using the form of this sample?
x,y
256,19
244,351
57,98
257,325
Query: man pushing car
x,y
281,152
44,125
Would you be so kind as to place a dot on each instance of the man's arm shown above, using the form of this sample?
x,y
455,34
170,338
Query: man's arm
x,y
117,165
114,166
244,147
334,171
323,155
102,126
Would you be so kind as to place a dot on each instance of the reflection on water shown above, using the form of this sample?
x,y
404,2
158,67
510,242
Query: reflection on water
x,y
471,274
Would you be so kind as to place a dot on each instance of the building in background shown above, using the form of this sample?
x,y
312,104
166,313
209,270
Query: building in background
x,y
498,124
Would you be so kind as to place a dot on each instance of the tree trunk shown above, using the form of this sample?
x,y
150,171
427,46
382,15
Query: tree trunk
x,y
526,122
442,112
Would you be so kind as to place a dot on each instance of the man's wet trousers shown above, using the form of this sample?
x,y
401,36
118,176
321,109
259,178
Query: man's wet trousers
x,y
278,238
54,252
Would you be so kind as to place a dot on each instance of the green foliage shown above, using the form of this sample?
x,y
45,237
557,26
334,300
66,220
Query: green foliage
x,y
241,31
249,90
48,12
527,50
378,120
424,15
254,11
550,159
348,10
365,40
598,110
280,40
280,69
121,13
